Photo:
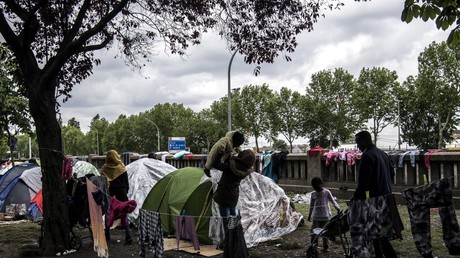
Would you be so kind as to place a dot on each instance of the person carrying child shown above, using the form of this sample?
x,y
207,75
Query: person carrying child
x,y
225,146
320,210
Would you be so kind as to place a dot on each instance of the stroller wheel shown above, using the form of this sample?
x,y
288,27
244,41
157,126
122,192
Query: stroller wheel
x,y
312,252
75,242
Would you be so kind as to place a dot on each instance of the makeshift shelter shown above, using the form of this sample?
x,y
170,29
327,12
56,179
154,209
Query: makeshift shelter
x,y
199,205
143,174
19,184
83,168
264,207
170,193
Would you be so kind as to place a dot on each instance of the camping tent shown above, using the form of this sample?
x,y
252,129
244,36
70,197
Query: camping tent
x,y
22,182
169,195
19,184
83,168
143,174
265,208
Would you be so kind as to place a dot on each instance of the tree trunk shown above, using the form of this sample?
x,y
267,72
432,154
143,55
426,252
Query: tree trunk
x,y
56,228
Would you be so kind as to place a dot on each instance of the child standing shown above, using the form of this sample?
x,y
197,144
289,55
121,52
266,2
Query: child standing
x,y
320,210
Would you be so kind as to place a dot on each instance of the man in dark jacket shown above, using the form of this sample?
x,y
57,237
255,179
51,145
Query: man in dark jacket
x,y
375,177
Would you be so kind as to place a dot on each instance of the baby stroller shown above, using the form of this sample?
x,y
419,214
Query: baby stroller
x,y
77,204
336,227
78,209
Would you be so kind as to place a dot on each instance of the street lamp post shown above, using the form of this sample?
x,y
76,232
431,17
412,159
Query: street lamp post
x,y
97,141
399,126
229,96
158,133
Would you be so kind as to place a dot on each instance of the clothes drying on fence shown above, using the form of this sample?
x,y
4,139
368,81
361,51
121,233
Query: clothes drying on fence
x,y
316,152
412,154
235,244
150,233
427,157
272,163
267,164
419,200
185,229
97,224
351,158
330,157
278,159
374,219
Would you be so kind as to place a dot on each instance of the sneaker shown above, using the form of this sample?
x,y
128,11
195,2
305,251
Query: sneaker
x,y
325,250
128,241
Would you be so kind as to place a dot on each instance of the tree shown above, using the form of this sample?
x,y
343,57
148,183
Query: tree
x,y
286,113
54,43
14,112
93,141
72,138
280,145
435,91
73,122
445,13
330,117
252,112
23,145
374,98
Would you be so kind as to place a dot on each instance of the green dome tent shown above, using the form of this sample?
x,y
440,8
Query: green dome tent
x,y
171,194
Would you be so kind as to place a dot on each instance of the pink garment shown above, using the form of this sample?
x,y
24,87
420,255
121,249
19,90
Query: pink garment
x,y
66,173
120,210
427,157
351,158
330,156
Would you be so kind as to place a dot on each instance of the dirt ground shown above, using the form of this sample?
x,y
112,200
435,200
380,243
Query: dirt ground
x,y
291,245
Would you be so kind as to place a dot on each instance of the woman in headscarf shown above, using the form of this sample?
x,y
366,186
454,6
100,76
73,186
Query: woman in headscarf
x,y
117,179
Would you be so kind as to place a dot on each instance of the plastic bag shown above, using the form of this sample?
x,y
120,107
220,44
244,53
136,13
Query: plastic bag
x,y
216,230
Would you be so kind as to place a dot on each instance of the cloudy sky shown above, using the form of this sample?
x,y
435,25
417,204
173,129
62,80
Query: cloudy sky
x,y
364,34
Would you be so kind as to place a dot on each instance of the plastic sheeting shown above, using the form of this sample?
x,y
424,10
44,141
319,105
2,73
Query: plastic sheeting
x,y
143,174
265,209
83,168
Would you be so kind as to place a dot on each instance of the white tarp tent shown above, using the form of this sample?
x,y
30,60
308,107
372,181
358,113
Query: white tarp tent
x,y
265,208
143,174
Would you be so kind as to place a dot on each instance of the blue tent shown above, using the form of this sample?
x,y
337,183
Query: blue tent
x,y
13,190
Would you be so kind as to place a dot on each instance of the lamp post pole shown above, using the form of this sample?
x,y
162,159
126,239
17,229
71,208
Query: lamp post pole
x,y
229,96
399,127
158,133
97,142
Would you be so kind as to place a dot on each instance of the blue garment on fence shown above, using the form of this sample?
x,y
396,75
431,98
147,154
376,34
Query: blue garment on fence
x,y
412,154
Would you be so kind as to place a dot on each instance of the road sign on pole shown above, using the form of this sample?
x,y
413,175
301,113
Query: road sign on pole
x,y
176,144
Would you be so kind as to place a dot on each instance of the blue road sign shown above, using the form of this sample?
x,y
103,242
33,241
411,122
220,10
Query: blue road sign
x,y
176,145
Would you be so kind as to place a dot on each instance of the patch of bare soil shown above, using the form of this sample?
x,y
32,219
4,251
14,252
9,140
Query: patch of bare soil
x,y
292,245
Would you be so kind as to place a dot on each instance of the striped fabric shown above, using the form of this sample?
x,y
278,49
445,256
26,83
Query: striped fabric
x,y
150,233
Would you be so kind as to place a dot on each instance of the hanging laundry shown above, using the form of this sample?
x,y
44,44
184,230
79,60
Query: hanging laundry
x,y
235,244
419,201
120,210
427,157
376,218
97,224
150,233
278,159
185,229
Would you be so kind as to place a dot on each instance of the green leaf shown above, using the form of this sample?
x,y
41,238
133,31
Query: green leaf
x,y
450,39
406,16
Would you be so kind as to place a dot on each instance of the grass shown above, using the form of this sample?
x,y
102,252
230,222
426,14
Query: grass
x,y
23,234
406,246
